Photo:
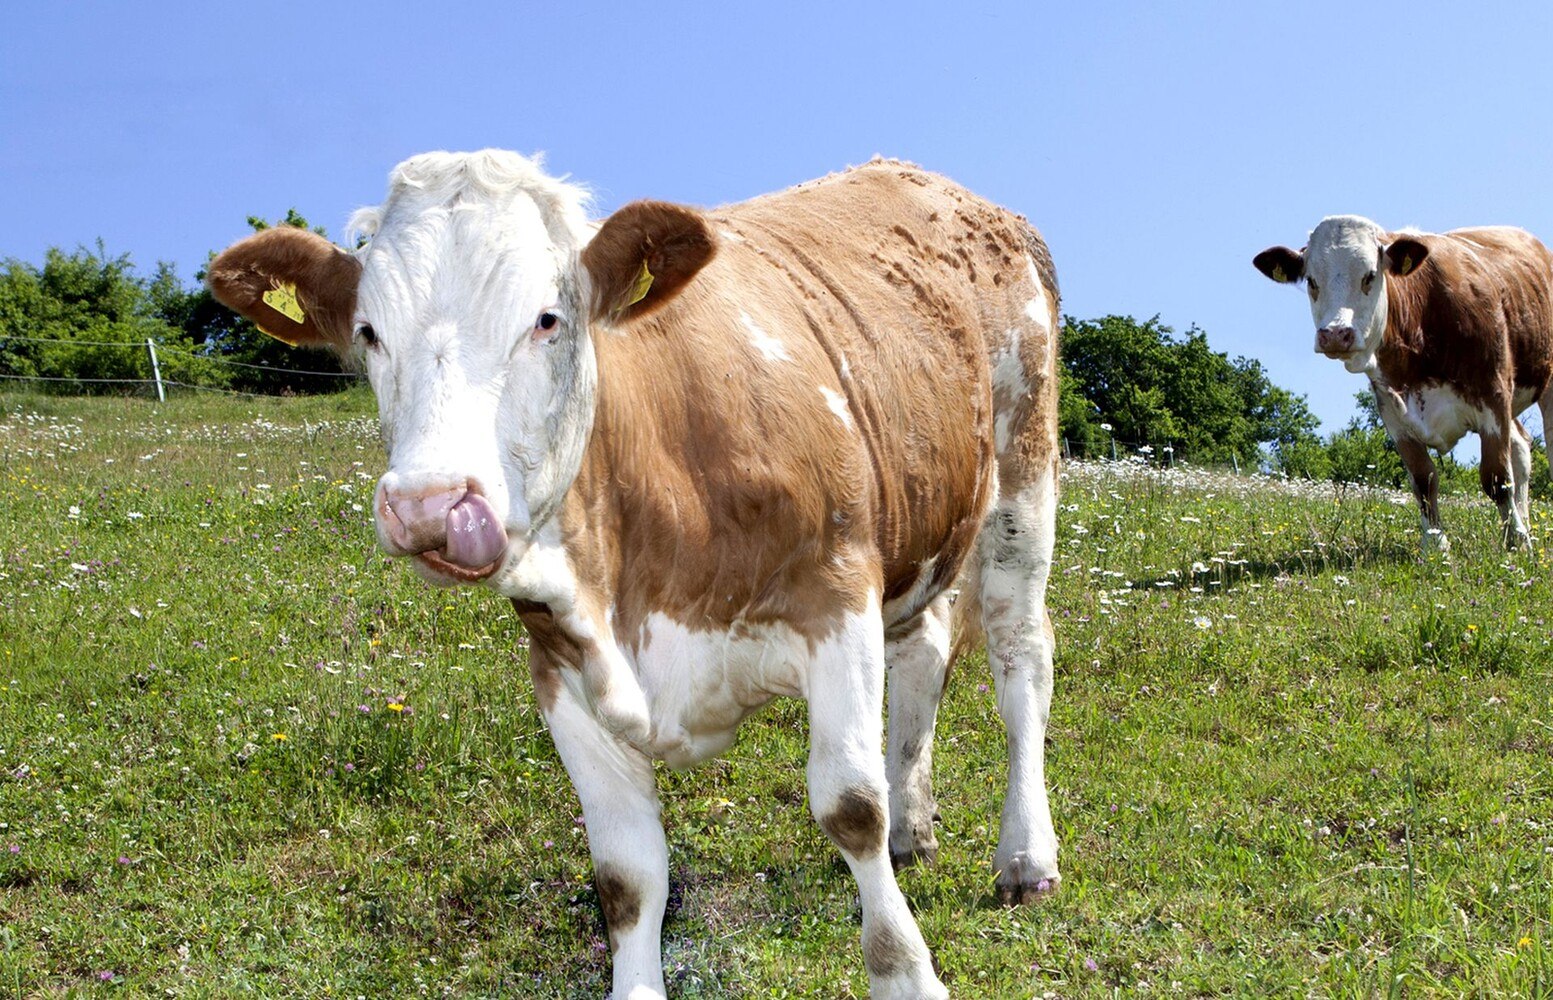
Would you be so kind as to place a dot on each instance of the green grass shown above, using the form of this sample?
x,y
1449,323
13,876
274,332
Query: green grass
x,y
1287,757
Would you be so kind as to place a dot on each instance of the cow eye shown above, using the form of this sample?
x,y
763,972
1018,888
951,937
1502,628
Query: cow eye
x,y
1368,280
547,322
366,334
1311,287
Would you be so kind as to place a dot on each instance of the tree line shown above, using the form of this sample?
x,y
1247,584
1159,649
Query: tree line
x,y
80,320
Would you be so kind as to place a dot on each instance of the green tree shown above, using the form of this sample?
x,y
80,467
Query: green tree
x,y
82,319
1159,389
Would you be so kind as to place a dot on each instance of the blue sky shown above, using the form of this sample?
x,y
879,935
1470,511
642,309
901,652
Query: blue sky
x,y
1158,146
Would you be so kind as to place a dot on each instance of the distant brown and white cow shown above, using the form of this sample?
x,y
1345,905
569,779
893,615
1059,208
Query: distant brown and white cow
x,y
714,457
1455,332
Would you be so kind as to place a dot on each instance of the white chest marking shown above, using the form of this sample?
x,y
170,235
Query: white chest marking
x,y
1438,417
701,684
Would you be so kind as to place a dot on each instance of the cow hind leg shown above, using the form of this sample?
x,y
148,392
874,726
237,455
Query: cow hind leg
x,y
849,797
1520,471
917,656
1015,552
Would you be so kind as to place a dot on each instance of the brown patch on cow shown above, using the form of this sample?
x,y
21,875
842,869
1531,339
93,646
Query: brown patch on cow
x,y
857,823
619,899
547,679
672,242
1476,314
548,650
323,276
886,953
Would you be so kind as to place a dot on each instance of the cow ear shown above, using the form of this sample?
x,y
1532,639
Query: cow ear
x,y
1404,255
295,285
642,256
1280,264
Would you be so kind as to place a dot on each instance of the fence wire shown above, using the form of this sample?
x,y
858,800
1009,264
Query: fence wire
x,y
139,348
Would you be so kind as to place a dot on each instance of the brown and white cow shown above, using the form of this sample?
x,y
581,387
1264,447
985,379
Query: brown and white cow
x,y
1454,330
714,457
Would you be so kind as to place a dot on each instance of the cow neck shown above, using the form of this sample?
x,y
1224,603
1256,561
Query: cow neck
x,y
1402,345
621,455
568,426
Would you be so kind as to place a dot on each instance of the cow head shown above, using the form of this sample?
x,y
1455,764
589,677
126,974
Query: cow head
x,y
1345,267
470,305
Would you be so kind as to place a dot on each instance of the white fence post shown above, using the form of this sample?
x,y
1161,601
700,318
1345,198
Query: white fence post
x,y
156,372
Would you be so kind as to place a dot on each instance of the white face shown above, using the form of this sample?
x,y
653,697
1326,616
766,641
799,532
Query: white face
x,y
1345,275
469,314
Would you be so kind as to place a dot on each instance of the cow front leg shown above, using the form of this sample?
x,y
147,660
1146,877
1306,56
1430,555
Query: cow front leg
x,y
625,834
1426,490
1504,455
849,797
917,659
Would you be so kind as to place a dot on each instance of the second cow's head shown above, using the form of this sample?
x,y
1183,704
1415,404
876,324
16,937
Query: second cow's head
x,y
1345,267
470,306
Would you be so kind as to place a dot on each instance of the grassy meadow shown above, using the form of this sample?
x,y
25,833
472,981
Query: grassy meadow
x,y
241,753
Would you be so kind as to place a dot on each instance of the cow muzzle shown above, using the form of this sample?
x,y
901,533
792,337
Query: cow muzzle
x,y
1335,341
455,532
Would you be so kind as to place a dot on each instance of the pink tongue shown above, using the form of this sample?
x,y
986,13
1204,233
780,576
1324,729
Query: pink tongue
x,y
476,537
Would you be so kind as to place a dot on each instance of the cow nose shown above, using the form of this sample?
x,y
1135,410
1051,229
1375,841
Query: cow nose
x,y
456,523
415,521
1335,339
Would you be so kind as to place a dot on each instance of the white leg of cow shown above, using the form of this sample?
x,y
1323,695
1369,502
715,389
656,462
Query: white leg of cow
x,y
1520,479
917,655
848,794
1016,552
625,837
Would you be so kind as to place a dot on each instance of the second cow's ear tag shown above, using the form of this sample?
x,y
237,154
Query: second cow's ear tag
x,y
643,285
283,299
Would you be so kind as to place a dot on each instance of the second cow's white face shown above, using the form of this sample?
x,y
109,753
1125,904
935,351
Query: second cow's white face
x,y
1345,267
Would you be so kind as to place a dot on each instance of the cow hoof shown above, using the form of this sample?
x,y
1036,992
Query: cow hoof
x,y
926,853
1023,881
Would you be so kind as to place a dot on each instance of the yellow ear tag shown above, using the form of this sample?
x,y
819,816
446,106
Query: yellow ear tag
x,y
1278,273
283,300
288,341
643,283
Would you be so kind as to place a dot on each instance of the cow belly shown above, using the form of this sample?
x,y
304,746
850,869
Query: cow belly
x,y
1438,417
700,685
